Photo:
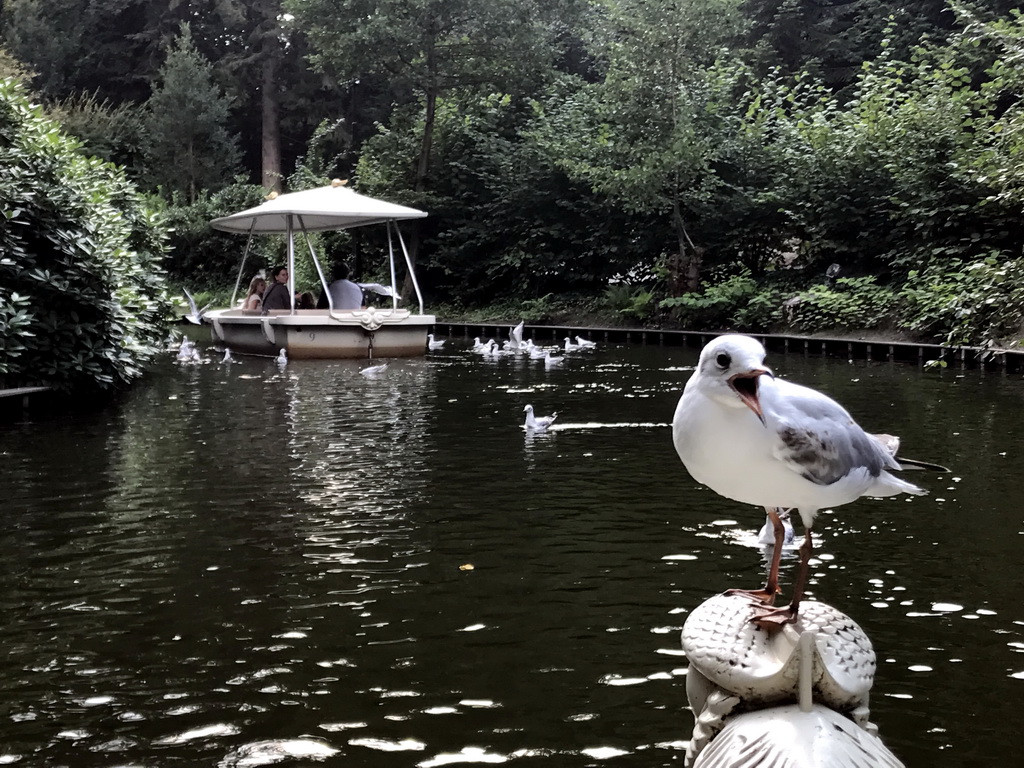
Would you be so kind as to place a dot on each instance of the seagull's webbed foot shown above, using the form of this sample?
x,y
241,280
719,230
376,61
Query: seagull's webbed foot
x,y
764,595
774,619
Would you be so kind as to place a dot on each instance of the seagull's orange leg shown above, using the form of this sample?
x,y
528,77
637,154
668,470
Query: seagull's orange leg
x,y
775,618
771,587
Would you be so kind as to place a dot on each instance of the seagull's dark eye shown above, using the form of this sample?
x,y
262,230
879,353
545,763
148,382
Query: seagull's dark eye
x,y
723,360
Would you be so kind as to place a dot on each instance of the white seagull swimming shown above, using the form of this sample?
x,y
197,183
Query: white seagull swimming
x,y
431,344
185,350
760,440
538,423
584,344
372,371
551,361
282,358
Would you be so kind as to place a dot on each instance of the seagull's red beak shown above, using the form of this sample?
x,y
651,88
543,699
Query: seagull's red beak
x,y
746,385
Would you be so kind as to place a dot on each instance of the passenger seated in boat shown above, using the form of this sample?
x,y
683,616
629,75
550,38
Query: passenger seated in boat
x,y
306,301
276,296
344,293
254,299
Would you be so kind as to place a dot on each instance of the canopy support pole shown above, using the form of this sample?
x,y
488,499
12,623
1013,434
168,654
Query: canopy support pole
x,y
241,267
391,260
408,263
316,263
291,261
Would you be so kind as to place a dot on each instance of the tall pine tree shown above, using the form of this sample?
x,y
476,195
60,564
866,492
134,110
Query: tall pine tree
x,y
187,144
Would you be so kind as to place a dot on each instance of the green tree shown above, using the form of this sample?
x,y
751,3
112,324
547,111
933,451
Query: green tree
x,y
187,144
82,300
427,49
110,131
645,136
505,221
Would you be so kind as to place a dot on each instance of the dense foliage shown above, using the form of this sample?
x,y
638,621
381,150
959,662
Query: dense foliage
x,y
752,164
81,289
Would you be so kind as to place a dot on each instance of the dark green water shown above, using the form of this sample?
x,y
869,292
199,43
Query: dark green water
x,y
237,566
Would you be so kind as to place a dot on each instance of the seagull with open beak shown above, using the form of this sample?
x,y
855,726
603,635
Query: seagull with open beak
x,y
760,440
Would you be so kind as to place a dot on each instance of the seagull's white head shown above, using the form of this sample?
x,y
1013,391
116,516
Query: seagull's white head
x,y
528,409
730,369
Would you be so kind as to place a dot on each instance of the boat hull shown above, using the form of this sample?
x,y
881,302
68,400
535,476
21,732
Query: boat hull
x,y
322,334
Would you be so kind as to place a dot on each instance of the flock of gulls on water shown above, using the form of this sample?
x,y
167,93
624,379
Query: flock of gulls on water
x,y
516,345
188,352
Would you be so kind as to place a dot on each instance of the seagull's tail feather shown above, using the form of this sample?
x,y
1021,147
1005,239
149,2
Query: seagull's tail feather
x,y
917,464
890,485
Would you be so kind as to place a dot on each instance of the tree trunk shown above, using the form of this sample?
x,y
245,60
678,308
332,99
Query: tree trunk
x,y
684,270
271,137
422,167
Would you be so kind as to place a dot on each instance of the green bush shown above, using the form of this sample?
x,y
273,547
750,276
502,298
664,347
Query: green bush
x,y
980,303
853,303
716,305
204,258
82,299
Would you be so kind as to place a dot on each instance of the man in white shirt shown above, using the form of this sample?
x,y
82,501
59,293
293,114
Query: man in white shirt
x,y
344,293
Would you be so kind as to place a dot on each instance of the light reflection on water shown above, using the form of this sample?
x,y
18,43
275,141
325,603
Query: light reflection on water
x,y
240,565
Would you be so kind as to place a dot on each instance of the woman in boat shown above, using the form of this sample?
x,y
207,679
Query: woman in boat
x,y
276,296
254,300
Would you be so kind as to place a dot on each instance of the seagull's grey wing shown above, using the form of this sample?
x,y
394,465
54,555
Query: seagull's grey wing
x,y
191,302
817,438
382,290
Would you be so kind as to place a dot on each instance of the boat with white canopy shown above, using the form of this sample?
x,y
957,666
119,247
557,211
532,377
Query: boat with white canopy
x,y
323,333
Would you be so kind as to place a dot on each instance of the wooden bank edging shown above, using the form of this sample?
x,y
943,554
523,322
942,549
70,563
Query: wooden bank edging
x,y
1007,360
23,392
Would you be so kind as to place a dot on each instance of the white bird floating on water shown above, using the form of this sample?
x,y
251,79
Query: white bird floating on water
x,y
195,315
584,344
569,346
538,423
227,356
760,440
185,350
374,370
766,536
551,361
282,358
431,344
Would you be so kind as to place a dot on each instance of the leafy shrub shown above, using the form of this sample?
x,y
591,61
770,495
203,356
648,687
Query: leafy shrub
x,y
632,301
854,302
763,310
82,301
715,306
205,258
979,303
